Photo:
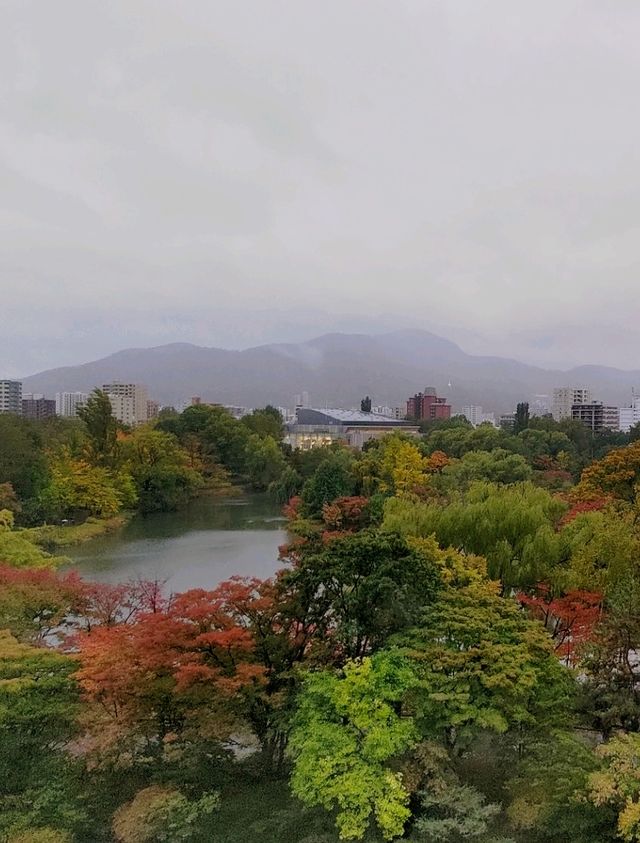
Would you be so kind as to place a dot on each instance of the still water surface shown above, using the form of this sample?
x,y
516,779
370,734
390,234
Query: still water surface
x,y
207,542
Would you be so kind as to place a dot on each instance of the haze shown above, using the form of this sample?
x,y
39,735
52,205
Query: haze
x,y
231,173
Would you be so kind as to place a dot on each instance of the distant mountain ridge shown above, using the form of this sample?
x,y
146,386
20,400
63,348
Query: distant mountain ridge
x,y
336,370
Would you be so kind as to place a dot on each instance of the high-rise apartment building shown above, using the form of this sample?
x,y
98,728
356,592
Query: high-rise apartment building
x,y
129,402
38,407
68,403
596,416
11,397
427,405
565,398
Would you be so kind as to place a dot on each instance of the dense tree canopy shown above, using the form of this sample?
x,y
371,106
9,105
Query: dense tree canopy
x,y
448,653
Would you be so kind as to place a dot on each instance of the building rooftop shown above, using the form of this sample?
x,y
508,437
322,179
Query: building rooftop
x,y
305,416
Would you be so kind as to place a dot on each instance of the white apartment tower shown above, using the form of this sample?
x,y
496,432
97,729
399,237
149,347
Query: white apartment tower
x,y
630,416
68,403
565,397
129,402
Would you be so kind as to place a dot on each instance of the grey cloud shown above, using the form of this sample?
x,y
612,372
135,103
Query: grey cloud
x,y
168,168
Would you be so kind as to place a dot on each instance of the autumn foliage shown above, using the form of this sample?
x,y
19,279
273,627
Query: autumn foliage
x,y
570,619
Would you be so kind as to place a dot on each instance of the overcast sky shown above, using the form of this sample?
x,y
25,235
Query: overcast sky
x,y
230,173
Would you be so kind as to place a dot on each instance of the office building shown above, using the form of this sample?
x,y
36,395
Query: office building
x,y
565,398
596,416
11,397
315,428
129,402
68,403
38,407
428,406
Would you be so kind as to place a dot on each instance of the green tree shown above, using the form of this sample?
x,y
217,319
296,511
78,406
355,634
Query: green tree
x,y
361,588
482,666
266,422
450,811
22,460
497,466
611,687
333,478
160,470
346,731
265,463
38,708
513,527
365,405
101,426
547,788
286,485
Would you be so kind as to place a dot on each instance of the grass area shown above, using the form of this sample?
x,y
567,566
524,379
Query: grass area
x,y
50,536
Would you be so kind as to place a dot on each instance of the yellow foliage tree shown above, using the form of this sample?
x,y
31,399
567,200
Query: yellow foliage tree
x,y
618,783
77,485
404,469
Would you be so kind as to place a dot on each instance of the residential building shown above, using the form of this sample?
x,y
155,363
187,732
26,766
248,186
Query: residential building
x,y
38,407
11,397
507,422
390,412
428,406
565,398
153,409
540,405
315,428
474,414
630,416
68,403
129,402
596,416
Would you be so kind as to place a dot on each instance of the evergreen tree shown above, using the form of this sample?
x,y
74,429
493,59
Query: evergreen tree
x,y
522,417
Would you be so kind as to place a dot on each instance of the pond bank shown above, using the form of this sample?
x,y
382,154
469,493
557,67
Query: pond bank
x,y
54,536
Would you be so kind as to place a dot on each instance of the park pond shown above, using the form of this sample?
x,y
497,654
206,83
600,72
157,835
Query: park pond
x,y
199,546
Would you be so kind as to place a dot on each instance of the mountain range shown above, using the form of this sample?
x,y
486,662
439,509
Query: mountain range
x,y
337,370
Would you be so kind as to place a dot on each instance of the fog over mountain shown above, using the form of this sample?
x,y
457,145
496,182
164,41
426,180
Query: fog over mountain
x,y
337,370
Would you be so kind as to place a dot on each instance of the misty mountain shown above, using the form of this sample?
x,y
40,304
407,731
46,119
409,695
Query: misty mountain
x,y
336,370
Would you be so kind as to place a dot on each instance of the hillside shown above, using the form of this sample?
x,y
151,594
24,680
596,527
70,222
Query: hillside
x,y
336,369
